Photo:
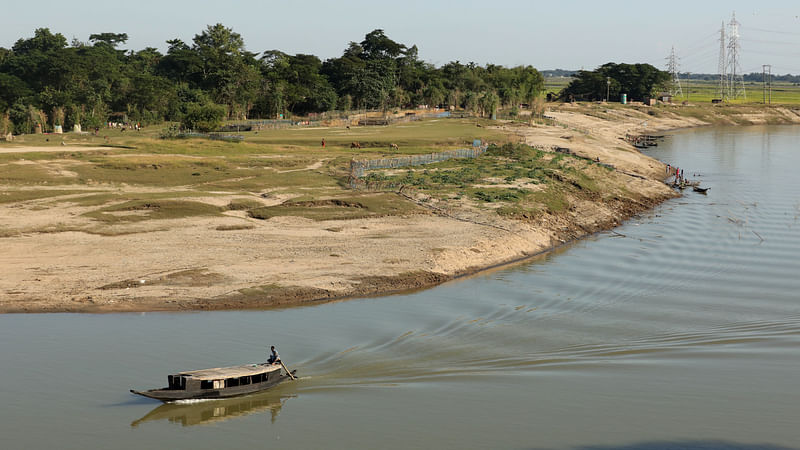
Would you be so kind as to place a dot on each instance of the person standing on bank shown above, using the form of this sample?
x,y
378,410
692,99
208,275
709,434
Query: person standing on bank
x,y
274,358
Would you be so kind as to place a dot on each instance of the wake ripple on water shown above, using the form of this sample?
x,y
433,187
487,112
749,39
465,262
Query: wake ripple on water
x,y
507,342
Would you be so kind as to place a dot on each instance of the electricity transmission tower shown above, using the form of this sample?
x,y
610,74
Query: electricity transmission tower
x,y
672,67
722,88
736,81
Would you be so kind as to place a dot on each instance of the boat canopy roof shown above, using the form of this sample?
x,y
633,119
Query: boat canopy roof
x,y
219,373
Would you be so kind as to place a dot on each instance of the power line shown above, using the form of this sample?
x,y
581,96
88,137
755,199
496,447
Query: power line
x,y
758,41
773,31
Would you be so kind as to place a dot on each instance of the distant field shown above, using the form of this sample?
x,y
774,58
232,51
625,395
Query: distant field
x,y
700,91
705,91
555,84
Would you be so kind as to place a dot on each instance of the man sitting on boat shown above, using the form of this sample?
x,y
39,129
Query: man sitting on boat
x,y
274,358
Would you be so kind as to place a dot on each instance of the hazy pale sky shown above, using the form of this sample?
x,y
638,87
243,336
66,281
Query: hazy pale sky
x,y
548,35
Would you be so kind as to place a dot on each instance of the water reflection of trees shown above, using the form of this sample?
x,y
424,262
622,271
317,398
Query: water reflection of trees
x,y
210,411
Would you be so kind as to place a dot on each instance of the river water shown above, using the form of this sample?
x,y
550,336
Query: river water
x,y
680,331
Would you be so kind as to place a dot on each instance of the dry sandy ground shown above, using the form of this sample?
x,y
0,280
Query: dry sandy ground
x,y
191,264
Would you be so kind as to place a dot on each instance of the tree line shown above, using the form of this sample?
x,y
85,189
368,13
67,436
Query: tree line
x,y
609,81
48,81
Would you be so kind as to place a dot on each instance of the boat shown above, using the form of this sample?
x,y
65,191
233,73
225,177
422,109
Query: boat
x,y
700,190
220,382
685,183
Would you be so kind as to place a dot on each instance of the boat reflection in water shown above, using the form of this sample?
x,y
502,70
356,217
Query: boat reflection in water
x,y
204,412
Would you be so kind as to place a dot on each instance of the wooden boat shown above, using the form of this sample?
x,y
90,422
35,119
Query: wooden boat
x,y
700,190
221,382
684,184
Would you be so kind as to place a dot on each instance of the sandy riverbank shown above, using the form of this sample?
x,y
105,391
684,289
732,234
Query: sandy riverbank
x,y
234,261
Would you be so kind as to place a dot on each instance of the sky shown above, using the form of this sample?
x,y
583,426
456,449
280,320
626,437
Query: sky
x,y
547,35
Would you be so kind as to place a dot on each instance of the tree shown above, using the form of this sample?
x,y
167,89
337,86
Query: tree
x,y
181,64
6,126
471,101
295,84
489,102
636,80
369,71
110,39
377,45
11,90
227,71
88,82
203,117
42,41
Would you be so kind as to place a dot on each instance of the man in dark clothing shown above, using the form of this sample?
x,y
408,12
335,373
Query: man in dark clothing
x,y
274,358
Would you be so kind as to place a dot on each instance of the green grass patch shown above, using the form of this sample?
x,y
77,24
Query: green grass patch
x,y
155,171
104,198
355,207
560,176
140,210
234,227
499,195
22,196
24,174
555,200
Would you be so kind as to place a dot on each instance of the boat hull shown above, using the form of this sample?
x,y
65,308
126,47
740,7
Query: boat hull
x,y
171,395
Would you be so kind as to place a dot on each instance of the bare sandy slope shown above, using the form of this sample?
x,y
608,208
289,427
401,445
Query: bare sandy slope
x,y
239,262
193,260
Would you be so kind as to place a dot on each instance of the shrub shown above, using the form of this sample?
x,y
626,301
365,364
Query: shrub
x,y
203,117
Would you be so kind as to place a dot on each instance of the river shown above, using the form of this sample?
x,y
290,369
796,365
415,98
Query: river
x,y
680,330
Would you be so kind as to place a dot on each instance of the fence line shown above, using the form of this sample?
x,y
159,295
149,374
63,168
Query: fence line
x,y
212,136
322,120
359,167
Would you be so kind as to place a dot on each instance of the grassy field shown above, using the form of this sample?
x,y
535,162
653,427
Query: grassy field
x,y
703,91
136,176
517,180
555,84
145,178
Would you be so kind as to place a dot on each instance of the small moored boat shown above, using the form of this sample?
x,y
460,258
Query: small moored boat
x,y
700,190
221,382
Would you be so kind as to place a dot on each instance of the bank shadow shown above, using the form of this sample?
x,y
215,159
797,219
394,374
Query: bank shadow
x,y
687,445
204,412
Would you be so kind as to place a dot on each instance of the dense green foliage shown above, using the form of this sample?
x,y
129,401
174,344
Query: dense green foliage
x,y
203,117
636,80
46,81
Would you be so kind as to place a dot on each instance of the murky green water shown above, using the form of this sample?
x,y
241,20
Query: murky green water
x,y
685,333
